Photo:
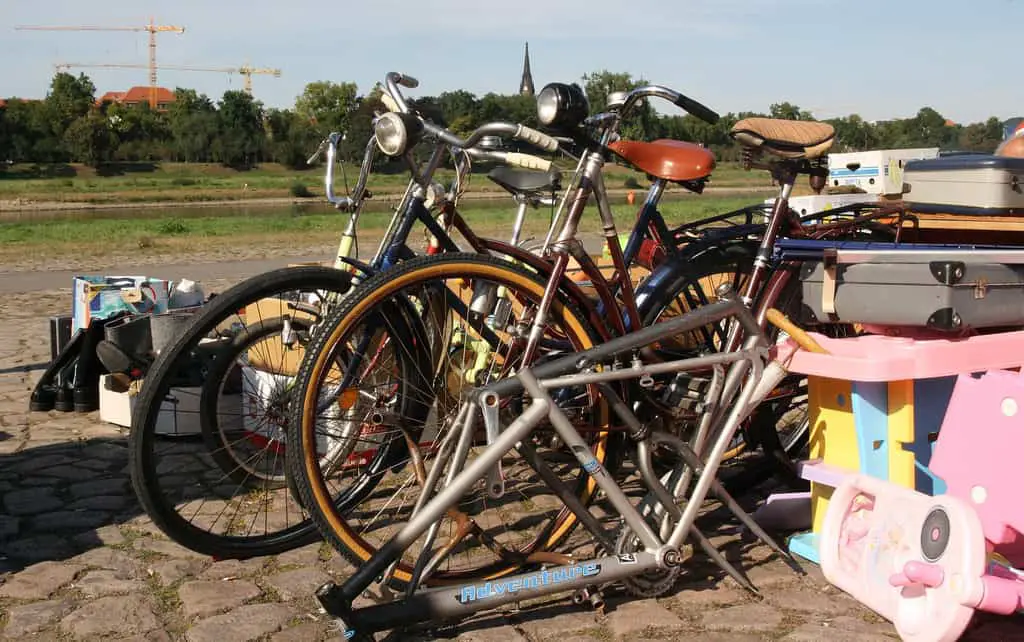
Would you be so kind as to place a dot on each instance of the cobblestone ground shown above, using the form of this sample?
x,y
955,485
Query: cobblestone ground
x,y
80,562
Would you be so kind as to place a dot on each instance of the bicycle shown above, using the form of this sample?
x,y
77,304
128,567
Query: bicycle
x,y
644,555
242,456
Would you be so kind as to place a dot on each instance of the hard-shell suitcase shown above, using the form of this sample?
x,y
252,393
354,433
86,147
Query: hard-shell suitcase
x,y
942,289
969,184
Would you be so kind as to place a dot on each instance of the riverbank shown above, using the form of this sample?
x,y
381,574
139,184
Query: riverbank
x,y
9,210
143,185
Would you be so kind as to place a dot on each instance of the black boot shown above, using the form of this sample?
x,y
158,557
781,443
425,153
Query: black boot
x,y
128,347
85,376
48,393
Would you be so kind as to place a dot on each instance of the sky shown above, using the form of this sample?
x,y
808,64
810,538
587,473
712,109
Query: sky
x,y
878,58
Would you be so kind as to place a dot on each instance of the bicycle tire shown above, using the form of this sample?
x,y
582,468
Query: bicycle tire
x,y
314,493
159,379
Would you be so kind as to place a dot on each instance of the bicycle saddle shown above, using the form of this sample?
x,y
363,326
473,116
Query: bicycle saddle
x,y
793,139
523,182
667,159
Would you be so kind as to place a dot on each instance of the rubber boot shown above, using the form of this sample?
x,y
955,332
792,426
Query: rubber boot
x,y
85,376
48,391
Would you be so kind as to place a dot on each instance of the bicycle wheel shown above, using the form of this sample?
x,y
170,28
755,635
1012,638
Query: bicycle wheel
x,y
695,285
380,325
211,475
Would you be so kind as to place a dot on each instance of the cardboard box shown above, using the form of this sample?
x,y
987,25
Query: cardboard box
x,y
100,297
876,171
271,354
179,413
811,204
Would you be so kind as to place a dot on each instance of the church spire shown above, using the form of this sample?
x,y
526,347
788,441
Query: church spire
x,y
526,85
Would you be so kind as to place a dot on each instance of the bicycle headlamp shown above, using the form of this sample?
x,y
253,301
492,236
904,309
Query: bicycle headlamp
x,y
561,105
395,132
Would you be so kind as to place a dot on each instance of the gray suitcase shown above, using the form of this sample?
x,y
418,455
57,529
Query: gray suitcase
x,y
945,290
968,184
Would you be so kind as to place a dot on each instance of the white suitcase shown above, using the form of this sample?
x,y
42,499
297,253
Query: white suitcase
x,y
968,184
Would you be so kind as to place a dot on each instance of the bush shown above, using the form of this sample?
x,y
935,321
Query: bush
x,y
173,226
631,183
299,190
183,181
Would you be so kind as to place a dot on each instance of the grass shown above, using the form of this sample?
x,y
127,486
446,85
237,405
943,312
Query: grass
x,y
150,234
198,182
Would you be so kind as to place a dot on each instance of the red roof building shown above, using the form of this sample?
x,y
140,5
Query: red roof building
x,y
136,95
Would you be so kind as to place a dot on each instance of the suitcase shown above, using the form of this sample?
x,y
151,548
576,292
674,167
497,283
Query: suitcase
x,y
968,184
938,288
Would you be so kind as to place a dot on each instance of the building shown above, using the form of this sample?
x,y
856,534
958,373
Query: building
x,y
526,84
136,95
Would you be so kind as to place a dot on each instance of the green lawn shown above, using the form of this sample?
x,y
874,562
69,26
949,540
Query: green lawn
x,y
162,182
153,233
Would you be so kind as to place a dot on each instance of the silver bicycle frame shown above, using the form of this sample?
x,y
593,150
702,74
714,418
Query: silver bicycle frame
x,y
656,553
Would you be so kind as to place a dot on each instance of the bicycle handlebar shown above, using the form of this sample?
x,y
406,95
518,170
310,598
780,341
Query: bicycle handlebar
x,y
392,81
507,130
674,97
344,203
525,161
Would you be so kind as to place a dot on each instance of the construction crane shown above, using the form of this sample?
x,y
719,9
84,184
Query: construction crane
x,y
244,70
152,28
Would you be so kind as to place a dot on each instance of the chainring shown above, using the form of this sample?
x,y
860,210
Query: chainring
x,y
653,583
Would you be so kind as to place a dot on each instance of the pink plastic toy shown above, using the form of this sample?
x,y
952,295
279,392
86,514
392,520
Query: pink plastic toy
x,y
916,560
978,455
927,563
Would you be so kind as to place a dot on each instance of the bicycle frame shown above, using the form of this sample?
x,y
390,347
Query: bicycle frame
x,y
751,381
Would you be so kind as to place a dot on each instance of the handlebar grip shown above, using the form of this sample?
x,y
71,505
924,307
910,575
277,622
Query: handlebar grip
x,y
389,102
536,138
407,81
527,161
697,109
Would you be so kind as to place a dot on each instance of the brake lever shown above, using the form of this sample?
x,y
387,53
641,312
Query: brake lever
x,y
318,153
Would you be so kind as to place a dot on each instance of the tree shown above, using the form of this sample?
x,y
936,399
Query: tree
x,y
853,133
788,111
194,126
642,121
361,128
982,137
328,105
70,98
461,111
241,130
292,138
90,139
143,132
929,128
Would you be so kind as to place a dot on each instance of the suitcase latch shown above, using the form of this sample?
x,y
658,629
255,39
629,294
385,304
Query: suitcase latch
x,y
980,288
947,272
829,263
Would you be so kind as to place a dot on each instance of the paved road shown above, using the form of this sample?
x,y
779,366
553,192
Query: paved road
x,y
80,561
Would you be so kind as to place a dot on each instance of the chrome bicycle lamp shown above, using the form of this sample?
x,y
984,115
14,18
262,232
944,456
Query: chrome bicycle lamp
x,y
561,105
396,132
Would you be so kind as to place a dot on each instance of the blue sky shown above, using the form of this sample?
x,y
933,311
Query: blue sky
x,y
881,59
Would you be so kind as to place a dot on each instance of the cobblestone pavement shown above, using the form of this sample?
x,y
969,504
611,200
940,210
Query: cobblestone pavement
x,y
80,562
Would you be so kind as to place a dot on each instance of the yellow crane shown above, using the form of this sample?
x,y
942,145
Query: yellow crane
x,y
244,70
152,28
